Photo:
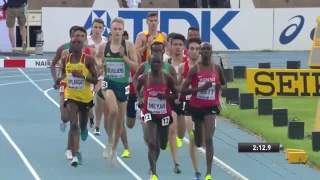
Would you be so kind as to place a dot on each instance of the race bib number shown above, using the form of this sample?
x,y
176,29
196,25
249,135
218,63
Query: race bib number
x,y
147,117
136,106
115,69
61,89
104,85
209,94
188,97
157,106
165,121
127,90
75,83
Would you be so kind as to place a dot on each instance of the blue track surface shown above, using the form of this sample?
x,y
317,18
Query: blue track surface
x,y
32,122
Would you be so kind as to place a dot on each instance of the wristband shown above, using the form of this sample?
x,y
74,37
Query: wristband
x,y
100,77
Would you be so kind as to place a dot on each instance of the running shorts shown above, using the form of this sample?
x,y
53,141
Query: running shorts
x,y
161,122
82,106
198,114
121,90
177,108
63,86
185,108
132,106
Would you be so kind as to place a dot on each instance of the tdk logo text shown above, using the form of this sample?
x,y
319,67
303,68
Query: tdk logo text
x,y
205,26
287,38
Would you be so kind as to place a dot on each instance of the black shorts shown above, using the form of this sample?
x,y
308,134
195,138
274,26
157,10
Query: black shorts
x,y
198,114
186,108
132,106
177,108
161,122
82,106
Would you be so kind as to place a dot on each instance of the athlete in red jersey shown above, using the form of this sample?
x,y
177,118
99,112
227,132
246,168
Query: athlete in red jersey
x,y
205,79
193,46
193,32
156,107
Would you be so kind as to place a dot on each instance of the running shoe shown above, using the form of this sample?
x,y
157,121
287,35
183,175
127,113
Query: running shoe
x,y
69,154
74,161
179,143
96,131
153,177
126,154
106,151
208,177
79,156
176,169
113,157
197,176
84,134
91,122
63,126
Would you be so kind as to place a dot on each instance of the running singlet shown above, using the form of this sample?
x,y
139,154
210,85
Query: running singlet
x,y
96,46
159,38
184,74
117,72
209,97
166,67
151,103
77,89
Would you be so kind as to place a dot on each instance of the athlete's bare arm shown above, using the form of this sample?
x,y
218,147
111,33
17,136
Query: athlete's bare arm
x,y
180,74
170,83
173,73
132,60
222,79
63,71
140,83
165,36
100,54
185,90
93,52
54,62
90,63
139,72
141,43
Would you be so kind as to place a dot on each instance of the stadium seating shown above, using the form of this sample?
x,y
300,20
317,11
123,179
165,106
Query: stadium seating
x,y
285,3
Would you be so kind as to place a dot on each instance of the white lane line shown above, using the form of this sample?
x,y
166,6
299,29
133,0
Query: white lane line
x,y
24,159
21,82
23,75
36,85
30,70
137,177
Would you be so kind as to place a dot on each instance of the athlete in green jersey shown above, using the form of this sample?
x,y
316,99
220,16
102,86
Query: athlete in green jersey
x,y
118,57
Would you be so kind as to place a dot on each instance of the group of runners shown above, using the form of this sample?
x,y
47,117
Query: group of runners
x,y
168,81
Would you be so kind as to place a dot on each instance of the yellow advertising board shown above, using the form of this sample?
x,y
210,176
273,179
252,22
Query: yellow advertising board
x,y
314,58
283,82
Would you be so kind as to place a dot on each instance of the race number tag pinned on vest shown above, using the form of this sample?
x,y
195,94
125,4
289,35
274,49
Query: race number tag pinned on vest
x,y
147,117
115,69
61,89
127,90
165,121
209,94
188,97
75,83
104,85
157,106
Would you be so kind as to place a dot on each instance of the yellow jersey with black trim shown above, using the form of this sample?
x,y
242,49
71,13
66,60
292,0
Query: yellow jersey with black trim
x,y
147,52
78,89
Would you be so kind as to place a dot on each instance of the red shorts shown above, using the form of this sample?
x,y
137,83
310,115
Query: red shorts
x,y
63,86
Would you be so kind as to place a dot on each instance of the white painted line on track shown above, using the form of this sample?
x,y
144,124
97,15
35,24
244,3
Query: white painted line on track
x,y
29,70
137,177
23,75
24,159
21,82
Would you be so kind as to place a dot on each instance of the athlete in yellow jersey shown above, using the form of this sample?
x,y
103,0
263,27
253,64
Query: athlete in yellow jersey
x,y
79,71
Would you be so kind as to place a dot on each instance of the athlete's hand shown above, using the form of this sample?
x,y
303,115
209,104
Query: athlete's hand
x,y
177,101
97,87
121,51
150,40
77,74
206,86
218,86
140,105
161,96
56,86
58,81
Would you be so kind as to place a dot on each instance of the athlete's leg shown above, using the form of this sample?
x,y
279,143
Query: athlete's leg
x,y
181,126
99,111
173,143
65,119
197,130
122,106
124,139
209,128
83,117
91,116
74,130
153,146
